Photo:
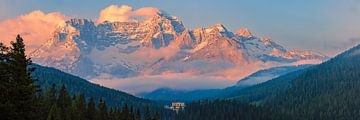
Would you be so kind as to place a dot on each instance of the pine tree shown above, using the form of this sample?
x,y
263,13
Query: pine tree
x,y
91,109
111,114
102,113
138,115
79,108
64,103
54,113
147,114
50,97
23,93
156,116
126,113
7,107
118,114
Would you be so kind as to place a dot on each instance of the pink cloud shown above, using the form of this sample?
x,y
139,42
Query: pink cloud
x,y
125,13
35,27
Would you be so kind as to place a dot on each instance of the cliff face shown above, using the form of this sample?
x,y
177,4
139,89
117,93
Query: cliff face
x,y
160,45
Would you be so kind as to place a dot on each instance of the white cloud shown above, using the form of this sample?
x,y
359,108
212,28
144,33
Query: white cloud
x,y
135,85
124,13
35,27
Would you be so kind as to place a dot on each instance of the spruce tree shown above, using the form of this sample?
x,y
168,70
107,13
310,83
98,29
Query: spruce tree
x,y
147,114
138,115
54,113
50,97
102,113
64,103
7,107
118,114
23,93
156,116
79,107
126,113
91,109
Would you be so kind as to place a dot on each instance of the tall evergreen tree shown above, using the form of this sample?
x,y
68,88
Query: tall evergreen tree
x,y
50,97
54,113
137,115
64,103
111,114
91,109
147,114
156,116
102,113
118,114
126,113
79,107
20,87
7,107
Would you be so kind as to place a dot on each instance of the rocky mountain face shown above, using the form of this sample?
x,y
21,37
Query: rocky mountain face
x,y
161,45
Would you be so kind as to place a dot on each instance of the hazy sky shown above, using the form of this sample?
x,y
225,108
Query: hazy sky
x,y
327,26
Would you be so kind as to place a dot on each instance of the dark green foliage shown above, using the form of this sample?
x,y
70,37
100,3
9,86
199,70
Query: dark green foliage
x,y
260,93
54,113
91,109
147,114
323,92
47,76
64,103
18,89
328,91
102,113
137,115
79,108
126,113
80,111
226,110
156,116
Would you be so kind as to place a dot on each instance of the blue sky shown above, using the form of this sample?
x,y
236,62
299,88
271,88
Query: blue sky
x,y
327,26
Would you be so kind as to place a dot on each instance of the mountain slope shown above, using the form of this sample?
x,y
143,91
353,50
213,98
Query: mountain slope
x,y
261,92
326,91
47,76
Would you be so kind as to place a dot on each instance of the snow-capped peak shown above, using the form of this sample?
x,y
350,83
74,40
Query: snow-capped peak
x,y
128,48
244,32
219,27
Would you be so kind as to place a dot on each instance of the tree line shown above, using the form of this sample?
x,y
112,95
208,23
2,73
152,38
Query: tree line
x,y
227,110
60,105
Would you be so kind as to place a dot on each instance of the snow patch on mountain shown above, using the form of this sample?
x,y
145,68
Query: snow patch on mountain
x,y
160,45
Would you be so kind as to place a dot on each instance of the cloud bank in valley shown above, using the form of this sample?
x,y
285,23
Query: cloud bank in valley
x,y
35,27
125,13
136,85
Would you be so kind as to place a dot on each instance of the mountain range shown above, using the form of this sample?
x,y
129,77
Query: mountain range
x,y
162,46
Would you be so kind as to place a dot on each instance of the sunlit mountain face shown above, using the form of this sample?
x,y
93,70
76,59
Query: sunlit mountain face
x,y
148,48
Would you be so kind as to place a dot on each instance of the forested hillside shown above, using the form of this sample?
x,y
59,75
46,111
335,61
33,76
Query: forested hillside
x,y
29,95
47,76
226,110
328,91
259,93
